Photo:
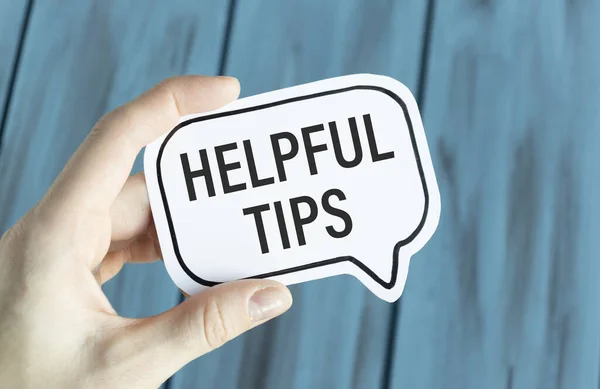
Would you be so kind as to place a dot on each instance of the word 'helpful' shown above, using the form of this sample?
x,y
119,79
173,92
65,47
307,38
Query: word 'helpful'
x,y
280,157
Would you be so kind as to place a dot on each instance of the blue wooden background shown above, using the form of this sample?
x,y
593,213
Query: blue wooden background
x,y
507,293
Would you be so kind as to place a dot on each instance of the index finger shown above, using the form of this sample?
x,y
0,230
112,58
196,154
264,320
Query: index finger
x,y
97,171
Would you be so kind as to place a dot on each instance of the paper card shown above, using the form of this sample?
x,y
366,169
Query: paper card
x,y
332,177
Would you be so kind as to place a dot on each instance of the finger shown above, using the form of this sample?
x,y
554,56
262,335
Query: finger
x,y
95,174
130,212
143,249
167,342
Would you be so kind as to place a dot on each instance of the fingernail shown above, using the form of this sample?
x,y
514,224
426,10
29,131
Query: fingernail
x,y
268,303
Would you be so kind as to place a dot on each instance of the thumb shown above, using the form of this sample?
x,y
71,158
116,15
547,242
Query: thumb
x,y
203,323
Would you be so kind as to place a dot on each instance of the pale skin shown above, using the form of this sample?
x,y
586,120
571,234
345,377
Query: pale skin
x,y
57,328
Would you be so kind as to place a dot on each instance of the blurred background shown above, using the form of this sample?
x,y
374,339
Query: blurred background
x,y
505,295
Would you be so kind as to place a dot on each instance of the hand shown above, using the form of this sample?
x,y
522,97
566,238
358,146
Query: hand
x,y
57,328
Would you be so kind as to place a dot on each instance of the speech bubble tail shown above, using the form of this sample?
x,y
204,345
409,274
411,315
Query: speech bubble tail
x,y
385,282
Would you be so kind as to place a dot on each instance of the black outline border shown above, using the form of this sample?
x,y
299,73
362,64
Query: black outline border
x,y
363,267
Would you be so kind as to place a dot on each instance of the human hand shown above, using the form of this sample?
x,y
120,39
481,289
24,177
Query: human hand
x,y
57,328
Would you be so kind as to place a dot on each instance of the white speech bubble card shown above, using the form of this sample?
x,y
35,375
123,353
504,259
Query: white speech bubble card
x,y
332,177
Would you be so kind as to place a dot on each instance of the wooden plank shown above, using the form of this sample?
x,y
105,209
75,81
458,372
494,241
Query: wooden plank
x,y
506,293
79,61
12,19
336,334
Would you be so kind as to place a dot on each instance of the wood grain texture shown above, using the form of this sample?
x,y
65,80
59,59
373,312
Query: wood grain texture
x,y
506,293
80,60
336,334
12,19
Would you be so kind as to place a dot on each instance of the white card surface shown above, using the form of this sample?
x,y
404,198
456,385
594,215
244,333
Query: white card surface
x,y
332,177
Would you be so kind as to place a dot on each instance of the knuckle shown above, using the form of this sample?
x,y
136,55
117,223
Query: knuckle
x,y
169,82
98,129
116,125
216,332
167,92
165,87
